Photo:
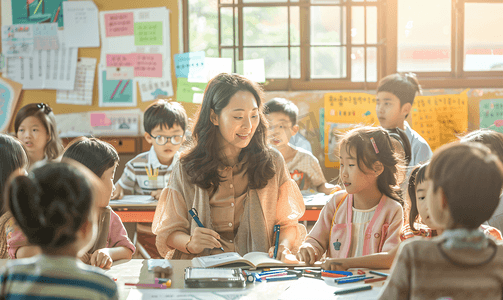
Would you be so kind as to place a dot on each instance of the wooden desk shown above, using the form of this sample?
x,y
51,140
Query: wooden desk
x,y
136,271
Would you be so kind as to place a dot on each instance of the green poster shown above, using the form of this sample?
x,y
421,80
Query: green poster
x,y
148,33
185,90
37,11
491,114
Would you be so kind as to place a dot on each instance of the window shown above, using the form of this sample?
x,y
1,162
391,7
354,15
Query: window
x,y
458,41
306,44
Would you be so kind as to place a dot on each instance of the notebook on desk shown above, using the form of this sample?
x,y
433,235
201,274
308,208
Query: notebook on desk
x,y
234,260
134,202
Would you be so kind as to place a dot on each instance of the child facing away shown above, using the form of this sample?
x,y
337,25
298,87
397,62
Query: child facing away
x,y
395,96
35,127
494,141
367,217
13,160
303,166
148,173
112,242
54,207
418,224
464,185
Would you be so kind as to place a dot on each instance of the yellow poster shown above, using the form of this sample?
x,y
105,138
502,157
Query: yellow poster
x,y
344,111
440,119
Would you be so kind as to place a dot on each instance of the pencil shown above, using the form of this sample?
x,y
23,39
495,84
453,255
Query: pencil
x,y
57,14
116,88
127,82
36,9
352,290
378,273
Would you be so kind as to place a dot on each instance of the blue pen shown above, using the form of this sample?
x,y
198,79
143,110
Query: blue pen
x,y
379,273
281,278
276,229
338,272
271,272
193,213
354,280
349,277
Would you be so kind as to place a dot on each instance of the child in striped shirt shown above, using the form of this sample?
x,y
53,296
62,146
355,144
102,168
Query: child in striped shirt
x,y
55,208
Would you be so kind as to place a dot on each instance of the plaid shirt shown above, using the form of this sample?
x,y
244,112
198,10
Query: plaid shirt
x,y
144,173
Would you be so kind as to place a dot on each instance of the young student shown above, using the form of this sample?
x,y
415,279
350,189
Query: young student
x,y
148,173
112,242
395,96
54,207
13,160
35,127
238,185
464,185
365,218
494,141
304,167
418,224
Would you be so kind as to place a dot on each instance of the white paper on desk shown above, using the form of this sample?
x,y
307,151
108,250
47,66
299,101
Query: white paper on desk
x,y
81,24
188,294
134,199
82,94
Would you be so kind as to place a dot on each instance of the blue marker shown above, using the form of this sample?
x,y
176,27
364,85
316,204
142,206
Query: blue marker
x,y
354,279
281,278
193,213
276,229
338,272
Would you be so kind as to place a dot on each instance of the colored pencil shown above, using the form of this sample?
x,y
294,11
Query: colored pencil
x,y
127,82
36,9
57,14
116,88
352,290
375,279
378,273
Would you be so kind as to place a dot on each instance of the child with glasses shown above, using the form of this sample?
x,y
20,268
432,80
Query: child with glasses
x,y
148,173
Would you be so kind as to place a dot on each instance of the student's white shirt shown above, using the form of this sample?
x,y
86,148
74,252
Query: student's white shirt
x,y
299,140
420,150
360,222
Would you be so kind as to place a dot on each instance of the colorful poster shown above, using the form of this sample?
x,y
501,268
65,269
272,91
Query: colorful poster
x,y
9,95
343,112
36,11
189,63
440,119
116,92
148,33
491,114
189,91
119,24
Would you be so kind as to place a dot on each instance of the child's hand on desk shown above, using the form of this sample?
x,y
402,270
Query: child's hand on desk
x,y
101,258
156,194
334,264
203,238
307,253
118,193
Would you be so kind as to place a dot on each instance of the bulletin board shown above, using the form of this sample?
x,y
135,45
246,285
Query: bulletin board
x,y
49,96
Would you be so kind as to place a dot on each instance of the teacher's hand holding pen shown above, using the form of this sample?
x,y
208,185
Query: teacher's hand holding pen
x,y
203,238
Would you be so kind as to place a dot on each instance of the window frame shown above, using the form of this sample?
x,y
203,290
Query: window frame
x,y
386,47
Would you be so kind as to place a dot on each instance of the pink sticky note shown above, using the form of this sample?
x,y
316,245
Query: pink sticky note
x,y
119,24
148,65
121,60
99,119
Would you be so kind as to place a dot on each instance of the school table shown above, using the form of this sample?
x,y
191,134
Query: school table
x,y
136,271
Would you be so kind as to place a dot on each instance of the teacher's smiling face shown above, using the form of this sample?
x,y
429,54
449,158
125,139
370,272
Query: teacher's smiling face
x,y
238,121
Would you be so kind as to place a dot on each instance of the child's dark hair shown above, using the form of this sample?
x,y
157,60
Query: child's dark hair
x,y
97,155
283,106
51,204
202,159
400,135
417,176
42,112
12,157
471,179
404,87
358,142
165,114
492,139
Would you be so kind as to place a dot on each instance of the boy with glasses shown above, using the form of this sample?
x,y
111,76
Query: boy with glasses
x,y
148,173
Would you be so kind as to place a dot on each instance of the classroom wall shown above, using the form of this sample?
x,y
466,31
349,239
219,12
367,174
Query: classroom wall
x,y
49,96
310,102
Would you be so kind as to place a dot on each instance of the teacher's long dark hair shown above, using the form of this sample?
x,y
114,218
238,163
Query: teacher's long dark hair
x,y
202,159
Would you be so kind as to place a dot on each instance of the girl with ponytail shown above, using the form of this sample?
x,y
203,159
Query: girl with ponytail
x,y
54,207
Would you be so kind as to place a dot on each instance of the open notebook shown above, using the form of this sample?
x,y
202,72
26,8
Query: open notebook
x,y
233,260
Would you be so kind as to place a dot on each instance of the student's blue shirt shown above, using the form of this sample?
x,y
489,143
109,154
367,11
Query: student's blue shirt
x,y
420,150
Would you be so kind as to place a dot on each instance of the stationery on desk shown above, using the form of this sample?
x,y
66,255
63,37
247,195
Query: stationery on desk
x,y
134,200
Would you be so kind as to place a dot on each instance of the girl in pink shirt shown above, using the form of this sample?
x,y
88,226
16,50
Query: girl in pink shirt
x,y
367,217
